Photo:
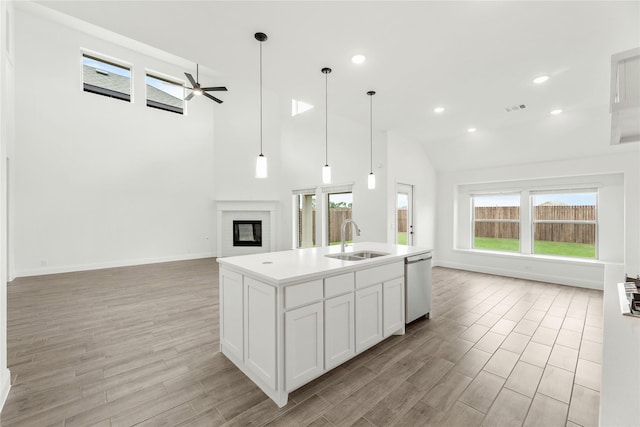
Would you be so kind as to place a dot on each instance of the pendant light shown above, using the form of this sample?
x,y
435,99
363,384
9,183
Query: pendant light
x,y
326,169
261,161
371,180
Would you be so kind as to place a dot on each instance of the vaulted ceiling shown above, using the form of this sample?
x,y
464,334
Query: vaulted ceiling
x,y
473,58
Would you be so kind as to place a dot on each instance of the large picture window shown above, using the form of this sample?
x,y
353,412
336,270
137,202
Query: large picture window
x,y
565,223
496,222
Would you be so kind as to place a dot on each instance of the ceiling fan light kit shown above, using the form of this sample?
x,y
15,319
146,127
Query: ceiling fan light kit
x,y
197,90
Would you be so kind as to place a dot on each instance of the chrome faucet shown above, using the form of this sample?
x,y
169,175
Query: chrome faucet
x,y
342,231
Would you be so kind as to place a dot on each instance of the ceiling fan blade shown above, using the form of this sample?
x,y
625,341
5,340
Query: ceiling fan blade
x,y
212,97
188,97
215,89
190,77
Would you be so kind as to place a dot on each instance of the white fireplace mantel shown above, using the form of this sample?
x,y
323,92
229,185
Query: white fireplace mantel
x,y
269,207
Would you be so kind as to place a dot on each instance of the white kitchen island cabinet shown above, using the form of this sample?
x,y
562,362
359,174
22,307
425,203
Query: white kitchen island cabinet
x,y
288,317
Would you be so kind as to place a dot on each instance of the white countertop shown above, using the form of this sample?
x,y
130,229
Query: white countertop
x,y
281,268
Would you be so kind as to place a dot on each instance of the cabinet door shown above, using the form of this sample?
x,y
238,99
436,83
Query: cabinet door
x,y
393,305
260,330
304,349
368,317
339,318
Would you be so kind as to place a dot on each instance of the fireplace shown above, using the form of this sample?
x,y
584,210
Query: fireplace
x,y
246,212
247,233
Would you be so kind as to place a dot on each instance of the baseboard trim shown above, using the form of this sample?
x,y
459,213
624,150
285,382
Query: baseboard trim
x,y
5,386
559,280
110,264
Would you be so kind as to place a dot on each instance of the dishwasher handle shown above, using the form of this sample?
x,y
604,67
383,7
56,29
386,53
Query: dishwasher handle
x,y
417,258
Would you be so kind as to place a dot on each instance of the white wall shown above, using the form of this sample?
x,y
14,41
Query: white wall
x,y
7,130
409,164
294,147
100,182
618,220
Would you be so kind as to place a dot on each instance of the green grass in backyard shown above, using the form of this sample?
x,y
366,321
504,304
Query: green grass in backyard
x,y
402,238
337,243
582,250
491,244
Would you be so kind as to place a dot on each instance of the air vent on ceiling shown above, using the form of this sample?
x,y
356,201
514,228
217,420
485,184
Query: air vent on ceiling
x,y
515,108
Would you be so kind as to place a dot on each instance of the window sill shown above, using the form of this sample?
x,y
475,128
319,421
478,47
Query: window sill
x,y
532,257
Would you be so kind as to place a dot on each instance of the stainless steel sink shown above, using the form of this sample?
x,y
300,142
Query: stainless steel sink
x,y
369,254
356,256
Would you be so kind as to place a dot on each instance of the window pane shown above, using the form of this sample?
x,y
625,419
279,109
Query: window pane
x,y
306,220
106,78
496,222
339,209
402,211
572,228
164,94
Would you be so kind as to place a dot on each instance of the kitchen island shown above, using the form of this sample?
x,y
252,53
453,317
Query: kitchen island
x,y
289,317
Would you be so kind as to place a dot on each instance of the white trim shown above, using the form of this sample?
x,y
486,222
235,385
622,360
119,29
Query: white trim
x,y
111,264
307,190
337,188
548,278
270,206
5,386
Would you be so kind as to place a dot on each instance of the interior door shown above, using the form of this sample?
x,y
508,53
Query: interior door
x,y
404,214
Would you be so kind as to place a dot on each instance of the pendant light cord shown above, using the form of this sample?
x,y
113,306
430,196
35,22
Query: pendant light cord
x,y
371,131
261,98
326,120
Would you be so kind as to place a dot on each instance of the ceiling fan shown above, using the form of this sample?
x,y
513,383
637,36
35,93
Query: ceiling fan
x,y
197,90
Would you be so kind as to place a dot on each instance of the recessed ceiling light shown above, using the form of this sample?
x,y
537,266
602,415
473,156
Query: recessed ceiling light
x,y
471,130
438,109
358,59
541,79
555,112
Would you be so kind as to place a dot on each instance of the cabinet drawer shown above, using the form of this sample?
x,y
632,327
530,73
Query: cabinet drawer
x,y
380,274
304,293
338,285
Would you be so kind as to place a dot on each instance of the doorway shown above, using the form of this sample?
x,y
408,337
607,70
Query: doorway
x,y
404,214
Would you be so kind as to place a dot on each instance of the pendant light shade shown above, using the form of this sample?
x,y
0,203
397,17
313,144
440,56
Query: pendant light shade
x,y
326,169
371,180
261,161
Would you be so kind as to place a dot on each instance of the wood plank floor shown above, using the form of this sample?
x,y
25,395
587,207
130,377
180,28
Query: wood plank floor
x,y
139,346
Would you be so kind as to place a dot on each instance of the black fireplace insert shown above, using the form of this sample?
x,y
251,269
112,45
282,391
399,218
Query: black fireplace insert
x,y
247,233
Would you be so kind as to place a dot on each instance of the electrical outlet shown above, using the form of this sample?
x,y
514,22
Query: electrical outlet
x,y
43,263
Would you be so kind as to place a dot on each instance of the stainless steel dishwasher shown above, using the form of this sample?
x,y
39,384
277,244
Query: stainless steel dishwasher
x,y
417,276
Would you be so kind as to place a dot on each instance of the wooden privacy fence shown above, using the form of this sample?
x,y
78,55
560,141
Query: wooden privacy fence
x,y
402,219
336,216
556,232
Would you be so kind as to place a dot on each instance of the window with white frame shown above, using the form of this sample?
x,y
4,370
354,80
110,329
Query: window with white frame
x,y
106,77
165,94
564,223
496,222
339,208
305,218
